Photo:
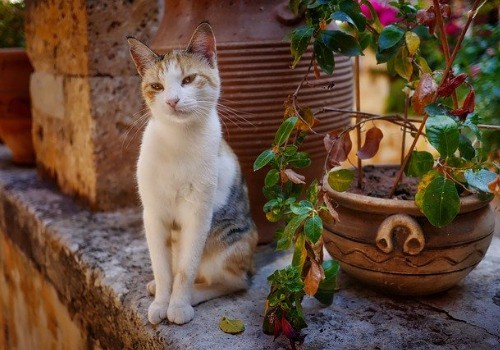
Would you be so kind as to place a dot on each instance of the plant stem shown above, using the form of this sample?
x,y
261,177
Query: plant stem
x,y
444,43
358,118
403,141
449,64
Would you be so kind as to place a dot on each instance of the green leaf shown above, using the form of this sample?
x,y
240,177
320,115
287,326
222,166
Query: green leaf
x,y
313,191
353,11
419,164
313,228
340,180
285,130
480,179
440,201
390,37
422,185
343,17
327,287
263,159
386,55
402,64
435,109
442,133
299,41
324,57
465,147
341,42
294,224
299,209
231,326
300,160
272,178
299,252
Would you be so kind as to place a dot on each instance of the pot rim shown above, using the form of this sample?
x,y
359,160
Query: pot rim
x,y
389,206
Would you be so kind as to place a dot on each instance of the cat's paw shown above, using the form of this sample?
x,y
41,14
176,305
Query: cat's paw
x,y
151,287
180,313
157,312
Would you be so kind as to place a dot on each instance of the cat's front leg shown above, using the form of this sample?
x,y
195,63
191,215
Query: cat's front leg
x,y
195,224
156,236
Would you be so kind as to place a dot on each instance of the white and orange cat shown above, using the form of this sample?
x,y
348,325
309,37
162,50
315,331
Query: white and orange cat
x,y
200,235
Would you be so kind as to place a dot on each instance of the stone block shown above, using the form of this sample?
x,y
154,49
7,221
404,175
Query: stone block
x,y
48,103
86,94
85,37
91,151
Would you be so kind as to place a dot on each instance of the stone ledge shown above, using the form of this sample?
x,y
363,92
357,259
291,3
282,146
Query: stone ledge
x,y
99,266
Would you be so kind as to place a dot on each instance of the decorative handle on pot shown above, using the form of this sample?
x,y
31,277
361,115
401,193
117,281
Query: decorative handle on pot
x,y
413,244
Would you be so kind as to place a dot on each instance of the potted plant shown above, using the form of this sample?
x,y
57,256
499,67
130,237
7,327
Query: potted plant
x,y
433,223
15,71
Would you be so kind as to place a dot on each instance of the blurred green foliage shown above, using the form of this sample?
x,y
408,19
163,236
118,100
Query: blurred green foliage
x,y
11,24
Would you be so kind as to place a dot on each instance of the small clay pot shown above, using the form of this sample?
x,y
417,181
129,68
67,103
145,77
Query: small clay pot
x,y
389,245
15,108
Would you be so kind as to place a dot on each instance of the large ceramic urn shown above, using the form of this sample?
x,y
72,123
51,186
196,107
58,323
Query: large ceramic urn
x,y
254,62
389,245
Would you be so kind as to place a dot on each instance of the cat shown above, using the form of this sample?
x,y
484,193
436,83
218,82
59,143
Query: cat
x,y
200,234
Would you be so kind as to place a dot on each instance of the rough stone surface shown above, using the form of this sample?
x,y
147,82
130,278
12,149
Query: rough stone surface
x,y
99,265
86,37
87,105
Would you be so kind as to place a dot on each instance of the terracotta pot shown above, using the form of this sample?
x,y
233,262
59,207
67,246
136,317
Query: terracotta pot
x,y
390,245
15,110
254,63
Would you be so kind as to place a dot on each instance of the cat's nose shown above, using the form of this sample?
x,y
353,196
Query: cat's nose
x,y
172,102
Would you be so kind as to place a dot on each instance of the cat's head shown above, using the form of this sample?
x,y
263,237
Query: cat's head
x,y
181,85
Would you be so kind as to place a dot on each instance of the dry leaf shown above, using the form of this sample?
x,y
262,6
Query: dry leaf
x,y
372,143
314,276
331,210
231,326
425,93
494,186
338,148
294,177
306,121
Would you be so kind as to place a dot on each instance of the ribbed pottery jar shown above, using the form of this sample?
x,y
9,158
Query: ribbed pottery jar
x,y
254,62
389,244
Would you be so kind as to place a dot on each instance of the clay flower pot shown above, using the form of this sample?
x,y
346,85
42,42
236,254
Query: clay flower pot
x,y
254,63
389,244
15,110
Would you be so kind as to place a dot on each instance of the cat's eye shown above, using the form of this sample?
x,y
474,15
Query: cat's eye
x,y
157,87
189,79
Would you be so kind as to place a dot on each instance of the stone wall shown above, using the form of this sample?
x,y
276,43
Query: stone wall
x,y
32,315
85,94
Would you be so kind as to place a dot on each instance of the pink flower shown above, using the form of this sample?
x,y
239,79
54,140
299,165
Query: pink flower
x,y
386,14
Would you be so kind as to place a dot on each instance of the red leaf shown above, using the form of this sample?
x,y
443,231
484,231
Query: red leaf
x,y
447,88
467,107
314,276
372,143
425,93
338,148
294,177
427,18
445,10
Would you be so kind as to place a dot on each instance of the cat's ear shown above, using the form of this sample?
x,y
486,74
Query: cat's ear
x,y
203,43
142,55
